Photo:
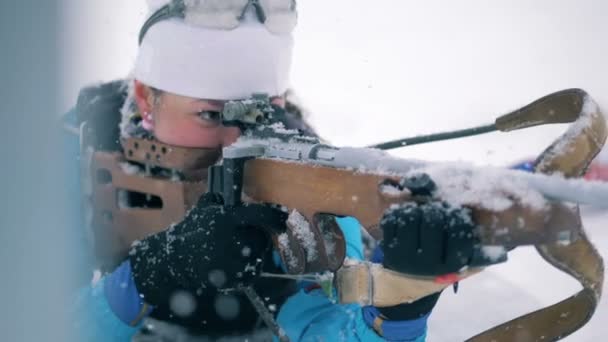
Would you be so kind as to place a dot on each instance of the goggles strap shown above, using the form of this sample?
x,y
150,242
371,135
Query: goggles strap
x,y
259,11
175,9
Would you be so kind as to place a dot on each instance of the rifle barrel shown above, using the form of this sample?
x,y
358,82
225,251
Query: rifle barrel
x,y
577,190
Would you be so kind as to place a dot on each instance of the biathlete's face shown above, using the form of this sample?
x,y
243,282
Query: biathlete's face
x,y
186,121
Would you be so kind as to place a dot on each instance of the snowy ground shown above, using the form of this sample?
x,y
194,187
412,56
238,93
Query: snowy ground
x,y
375,71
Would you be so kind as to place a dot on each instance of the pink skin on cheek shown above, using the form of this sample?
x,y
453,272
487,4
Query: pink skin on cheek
x,y
230,135
187,134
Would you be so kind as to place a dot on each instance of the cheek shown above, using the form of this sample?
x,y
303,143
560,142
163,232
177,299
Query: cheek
x,y
189,133
230,135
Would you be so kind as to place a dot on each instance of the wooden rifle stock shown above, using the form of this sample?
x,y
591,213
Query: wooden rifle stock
x,y
318,180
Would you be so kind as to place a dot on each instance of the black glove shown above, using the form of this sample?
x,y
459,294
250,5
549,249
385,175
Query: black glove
x,y
213,248
428,240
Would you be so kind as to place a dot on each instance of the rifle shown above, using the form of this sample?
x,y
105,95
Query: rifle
x,y
511,208
316,182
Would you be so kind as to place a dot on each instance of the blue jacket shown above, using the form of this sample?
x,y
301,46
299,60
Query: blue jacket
x,y
103,311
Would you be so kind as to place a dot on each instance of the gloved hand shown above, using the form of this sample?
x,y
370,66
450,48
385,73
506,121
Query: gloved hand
x,y
428,239
213,248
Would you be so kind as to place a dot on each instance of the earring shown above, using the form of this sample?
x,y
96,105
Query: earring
x,y
147,121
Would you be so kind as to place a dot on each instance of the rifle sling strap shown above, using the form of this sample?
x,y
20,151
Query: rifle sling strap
x,y
366,283
557,321
571,154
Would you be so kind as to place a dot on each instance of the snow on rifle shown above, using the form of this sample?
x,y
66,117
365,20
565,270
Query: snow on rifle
x,y
270,164
483,182
274,165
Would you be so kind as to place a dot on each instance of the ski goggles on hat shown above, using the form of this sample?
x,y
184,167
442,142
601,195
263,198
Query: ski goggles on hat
x,y
279,16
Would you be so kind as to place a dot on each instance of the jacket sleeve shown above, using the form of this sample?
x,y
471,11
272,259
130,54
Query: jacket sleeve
x,y
312,316
95,320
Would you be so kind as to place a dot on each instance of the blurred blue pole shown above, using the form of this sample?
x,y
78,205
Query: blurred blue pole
x,y
33,255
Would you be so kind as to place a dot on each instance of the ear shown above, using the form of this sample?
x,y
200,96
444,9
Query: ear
x,y
144,97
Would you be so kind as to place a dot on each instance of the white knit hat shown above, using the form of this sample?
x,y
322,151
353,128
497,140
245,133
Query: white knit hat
x,y
209,63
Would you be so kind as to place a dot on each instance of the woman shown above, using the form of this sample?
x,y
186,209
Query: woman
x,y
194,56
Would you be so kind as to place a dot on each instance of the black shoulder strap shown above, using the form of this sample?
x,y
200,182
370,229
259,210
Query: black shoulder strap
x,y
99,106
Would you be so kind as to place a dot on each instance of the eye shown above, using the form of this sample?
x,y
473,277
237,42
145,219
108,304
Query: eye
x,y
212,116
